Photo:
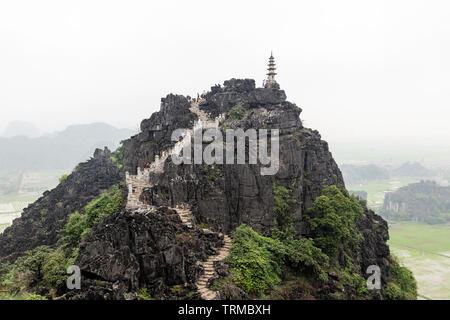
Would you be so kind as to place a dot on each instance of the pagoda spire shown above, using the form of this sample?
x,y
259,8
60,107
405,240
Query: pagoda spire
x,y
270,81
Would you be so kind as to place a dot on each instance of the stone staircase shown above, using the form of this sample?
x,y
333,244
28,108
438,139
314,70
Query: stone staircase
x,y
202,115
137,183
208,266
185,215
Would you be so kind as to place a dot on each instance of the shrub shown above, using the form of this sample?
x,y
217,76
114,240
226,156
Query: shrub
x,y
303,256
393,292
237,112
117,157
54,270
255,261
95,211
63,178
27,271
75,228
351,280
404,286
258,262
33,296
98,209
282,199
333,218
34,261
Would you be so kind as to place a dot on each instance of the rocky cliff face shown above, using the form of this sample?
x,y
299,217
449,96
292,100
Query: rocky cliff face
x,y
220,196
128,251
225,196
151,247
42,221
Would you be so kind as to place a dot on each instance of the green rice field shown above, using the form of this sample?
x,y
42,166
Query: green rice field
x,y
377,190
23,188
425,250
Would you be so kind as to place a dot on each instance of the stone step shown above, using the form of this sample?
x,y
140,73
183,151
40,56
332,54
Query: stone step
x,y
209,296
203,278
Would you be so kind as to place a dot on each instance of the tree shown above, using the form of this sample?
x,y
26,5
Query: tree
x,y
333,219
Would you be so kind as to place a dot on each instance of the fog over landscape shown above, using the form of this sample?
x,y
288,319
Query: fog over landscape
x,y
91,93
364,73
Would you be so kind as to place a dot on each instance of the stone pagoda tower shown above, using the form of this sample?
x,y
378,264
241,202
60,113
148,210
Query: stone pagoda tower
x,y
270,81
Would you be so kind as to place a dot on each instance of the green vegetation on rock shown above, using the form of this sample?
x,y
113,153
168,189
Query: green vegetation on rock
x,y
333,218
44,269
404,286
237,112
40,269
95,211
260,264
117,157
63,178
255,261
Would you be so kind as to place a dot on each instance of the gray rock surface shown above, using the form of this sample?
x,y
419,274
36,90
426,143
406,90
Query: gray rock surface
x,y
43,221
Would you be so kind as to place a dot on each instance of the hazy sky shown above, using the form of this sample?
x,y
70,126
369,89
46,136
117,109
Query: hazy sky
x,y
361,70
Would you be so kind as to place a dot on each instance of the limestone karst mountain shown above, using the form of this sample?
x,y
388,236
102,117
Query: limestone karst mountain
x,y
425,201
174,230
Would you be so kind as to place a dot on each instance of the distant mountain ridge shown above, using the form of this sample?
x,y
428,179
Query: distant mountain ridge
x,y
361,174
425,201
62,150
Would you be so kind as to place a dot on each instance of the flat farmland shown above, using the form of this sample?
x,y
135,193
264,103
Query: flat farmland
x,y
425,250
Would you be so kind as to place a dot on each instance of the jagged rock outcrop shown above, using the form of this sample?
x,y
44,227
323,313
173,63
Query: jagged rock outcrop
x,y
374,249
156,132
128,251
225,196
42,222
